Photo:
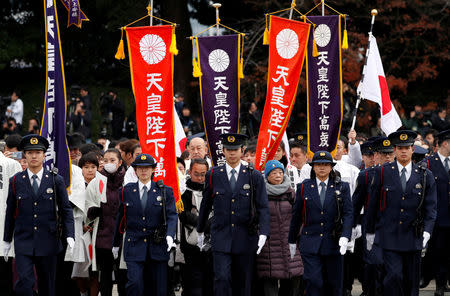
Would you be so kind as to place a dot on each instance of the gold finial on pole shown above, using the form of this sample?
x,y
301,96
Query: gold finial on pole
x,y
292,9
374,13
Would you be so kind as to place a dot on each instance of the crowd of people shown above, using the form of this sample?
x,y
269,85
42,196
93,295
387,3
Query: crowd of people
x,y
308,224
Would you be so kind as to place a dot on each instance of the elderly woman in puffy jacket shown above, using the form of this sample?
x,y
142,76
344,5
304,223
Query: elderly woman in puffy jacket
x,y
280,275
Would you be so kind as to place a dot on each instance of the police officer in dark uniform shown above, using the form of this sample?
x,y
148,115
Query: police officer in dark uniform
x,y
37,209
439,164
401,215
148,215
323,211
240,225
372,269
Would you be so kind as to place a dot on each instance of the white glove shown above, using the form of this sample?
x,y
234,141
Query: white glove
x,y
356,232
70,245
370,238
343,242
292,250
261,242
6,248
200,241
170,243
115,251
426,238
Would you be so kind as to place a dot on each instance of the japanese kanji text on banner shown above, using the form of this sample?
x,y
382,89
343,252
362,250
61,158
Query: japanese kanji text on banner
x,y
151,64
54,116
219,89
324,85
287,45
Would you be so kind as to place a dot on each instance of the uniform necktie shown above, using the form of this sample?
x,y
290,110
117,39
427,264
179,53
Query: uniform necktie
x,y
403,179
323,190
35,184
144,198
446,164
233,179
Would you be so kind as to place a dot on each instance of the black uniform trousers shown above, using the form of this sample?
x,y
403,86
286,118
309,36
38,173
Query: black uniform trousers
x,y
46,274
402,273
439,245
147,278
323,274
233,274
198,274
6,277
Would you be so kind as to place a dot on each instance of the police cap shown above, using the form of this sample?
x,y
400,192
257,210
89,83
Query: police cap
x,y
33,142
323,157
301,137
233,141
442,136
382,145
420,150
367,148
144,160
402,138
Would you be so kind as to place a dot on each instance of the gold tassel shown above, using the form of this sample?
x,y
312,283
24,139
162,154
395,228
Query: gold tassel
x,y
241,68
345,40
120,54
173,45
196,72
315,52
266,37
179,206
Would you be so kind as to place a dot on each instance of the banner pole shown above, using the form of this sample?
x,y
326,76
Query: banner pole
x,y
323,7
217,6
292,9
373,12
151,12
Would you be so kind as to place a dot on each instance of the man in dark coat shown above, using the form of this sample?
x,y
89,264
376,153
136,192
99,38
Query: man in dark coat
x,y
241,219
438,163
31,218
402,208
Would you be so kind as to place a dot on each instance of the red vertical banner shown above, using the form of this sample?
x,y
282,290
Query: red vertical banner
x,y
151,65
287,45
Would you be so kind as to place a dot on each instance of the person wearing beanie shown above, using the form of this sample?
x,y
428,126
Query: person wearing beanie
x,y
280,275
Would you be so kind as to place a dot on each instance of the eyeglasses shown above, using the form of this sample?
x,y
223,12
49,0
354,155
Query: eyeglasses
x,y
199,175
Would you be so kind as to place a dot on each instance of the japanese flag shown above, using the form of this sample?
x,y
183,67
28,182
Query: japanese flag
x,y
180,135
373,87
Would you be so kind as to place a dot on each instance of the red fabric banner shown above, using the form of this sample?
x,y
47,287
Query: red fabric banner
x,y
287,45
151,65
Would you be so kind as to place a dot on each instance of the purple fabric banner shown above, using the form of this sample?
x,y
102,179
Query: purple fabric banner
x,y
324,84
219,89
76,16
54,115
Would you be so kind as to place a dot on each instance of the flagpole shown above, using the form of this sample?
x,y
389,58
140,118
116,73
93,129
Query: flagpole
x,y
323,7
150,11
374,13
217,6
292,9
